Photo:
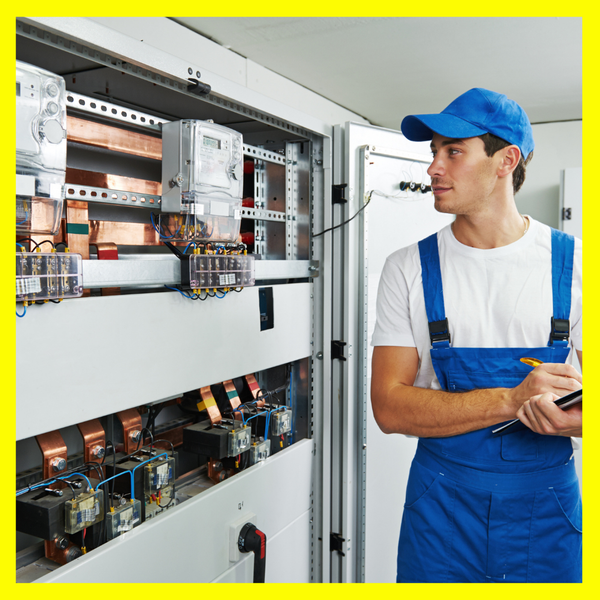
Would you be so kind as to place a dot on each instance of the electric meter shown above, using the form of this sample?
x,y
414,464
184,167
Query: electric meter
x,y
41,158
84,511
202,182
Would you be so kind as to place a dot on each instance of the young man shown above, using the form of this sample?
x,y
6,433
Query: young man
x,y
455,314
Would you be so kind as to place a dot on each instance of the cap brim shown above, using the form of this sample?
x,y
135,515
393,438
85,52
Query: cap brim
x,y
420,128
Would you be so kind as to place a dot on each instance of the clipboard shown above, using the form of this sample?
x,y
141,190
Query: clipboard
x,y
564,402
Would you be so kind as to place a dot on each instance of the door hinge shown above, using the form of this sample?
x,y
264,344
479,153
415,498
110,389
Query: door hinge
x,y
566,214
336,542
337,349
337,193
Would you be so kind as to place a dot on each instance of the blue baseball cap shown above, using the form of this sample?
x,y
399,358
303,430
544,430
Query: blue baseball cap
x,y
476,112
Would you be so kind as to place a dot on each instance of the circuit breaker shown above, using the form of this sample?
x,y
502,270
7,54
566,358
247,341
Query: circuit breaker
x,y
41,156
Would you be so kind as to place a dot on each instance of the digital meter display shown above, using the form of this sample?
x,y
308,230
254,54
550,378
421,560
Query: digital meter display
x,y
211,142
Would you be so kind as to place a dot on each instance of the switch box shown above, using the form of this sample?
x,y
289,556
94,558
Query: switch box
x,y
234,533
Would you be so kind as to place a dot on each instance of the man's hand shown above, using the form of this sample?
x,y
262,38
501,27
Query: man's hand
x,y
554,378
541,415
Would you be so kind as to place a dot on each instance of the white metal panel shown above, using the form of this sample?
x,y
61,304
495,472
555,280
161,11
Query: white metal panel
x,y
377,160
195,534
89,357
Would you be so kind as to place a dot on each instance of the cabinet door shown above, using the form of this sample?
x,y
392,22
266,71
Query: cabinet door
x,y
369,469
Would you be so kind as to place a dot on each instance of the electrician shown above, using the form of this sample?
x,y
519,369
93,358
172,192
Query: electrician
x,y
455,314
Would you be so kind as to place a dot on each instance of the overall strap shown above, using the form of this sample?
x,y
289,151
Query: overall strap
x,y
563,248
431,274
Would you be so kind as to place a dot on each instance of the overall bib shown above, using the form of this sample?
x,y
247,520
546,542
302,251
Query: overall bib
x,y
485,508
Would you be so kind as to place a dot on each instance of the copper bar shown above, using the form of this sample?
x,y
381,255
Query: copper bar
x,y
254,389
131,421
77,214
217,472
234,399
113,182
54,450
113,138
210,404
94,443
123,234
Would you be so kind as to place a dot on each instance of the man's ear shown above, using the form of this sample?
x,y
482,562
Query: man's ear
x,y
510,156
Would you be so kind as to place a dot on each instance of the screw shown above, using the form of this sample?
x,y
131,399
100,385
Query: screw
x,y
198,74
134,435
320,355
190,70
62,543
98,451
58,464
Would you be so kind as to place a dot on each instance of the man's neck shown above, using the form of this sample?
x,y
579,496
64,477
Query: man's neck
x,y
490,231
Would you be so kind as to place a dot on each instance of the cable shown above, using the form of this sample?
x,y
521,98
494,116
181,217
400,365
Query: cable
x,y
24,311
141,437
22,247
182,293
348,221
43,242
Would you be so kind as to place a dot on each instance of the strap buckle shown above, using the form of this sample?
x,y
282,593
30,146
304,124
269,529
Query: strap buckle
x,y
439,332
559,331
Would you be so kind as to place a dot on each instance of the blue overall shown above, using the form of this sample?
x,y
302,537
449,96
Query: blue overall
x,y
485,508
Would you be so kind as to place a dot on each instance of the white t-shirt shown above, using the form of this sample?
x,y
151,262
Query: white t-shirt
x,y
498,298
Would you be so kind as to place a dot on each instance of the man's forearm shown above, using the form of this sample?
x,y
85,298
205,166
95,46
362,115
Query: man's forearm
x,y
433,413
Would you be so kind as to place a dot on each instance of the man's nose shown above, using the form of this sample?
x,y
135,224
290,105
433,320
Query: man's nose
x,y
436,168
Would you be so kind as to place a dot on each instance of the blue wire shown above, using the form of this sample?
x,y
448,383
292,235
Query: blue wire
x,y
160,235
24,311
182,293
26,219
20,246
80,474
219,297
34,487
241,413
190,244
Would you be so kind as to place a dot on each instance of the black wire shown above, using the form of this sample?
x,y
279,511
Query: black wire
x,y
42,242
61,244
26,239
345,222
142,437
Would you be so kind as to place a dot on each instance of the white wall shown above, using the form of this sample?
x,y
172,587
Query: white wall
x,y
557,147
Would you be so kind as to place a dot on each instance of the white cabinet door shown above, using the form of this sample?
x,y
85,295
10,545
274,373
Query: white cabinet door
x,y
369,484
571,201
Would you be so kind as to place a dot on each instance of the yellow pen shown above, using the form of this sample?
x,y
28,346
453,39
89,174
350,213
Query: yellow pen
x,y
532,362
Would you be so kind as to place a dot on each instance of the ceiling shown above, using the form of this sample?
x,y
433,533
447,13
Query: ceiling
x,y
385,68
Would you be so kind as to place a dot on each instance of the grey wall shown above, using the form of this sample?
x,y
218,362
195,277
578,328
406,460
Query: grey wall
x,y
557,147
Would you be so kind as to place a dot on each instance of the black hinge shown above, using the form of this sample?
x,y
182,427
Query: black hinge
x,y
337,193
337,349
335,543
566,214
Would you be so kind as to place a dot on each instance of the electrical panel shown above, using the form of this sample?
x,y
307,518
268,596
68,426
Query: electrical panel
x,y
145,196
41,149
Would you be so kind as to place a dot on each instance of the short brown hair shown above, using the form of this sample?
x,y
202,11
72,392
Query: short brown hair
x,y
492,144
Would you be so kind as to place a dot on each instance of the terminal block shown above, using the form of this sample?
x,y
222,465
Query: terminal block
x,y
202,181
158,502
281,421
123,518
41,157
84,511
260,451
48,276
208,271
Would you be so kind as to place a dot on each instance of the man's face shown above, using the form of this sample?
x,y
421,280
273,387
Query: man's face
x,y
463,176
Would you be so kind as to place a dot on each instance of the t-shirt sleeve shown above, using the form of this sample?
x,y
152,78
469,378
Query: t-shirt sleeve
x,y
393,326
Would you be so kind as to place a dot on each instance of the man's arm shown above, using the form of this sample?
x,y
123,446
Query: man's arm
x,y
541,415
399,407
